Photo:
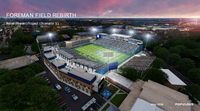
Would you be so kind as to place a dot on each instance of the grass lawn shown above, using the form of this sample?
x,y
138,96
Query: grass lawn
x,y
118,99
112,88
121,91
106,107
99,53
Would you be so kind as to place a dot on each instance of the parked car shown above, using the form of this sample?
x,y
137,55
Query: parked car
x,y
58,87
67,89
75,97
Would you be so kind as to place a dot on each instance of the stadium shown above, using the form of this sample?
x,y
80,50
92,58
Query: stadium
x,y
82,63
109,51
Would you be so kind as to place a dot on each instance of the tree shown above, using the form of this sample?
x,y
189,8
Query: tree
x,y
185,65
152,44
158,63
34,47
36,67
155,75
21,38
174,59
11,96
161,52
22,96
194,75
44,98
130,73
194,90
17,51
20,90
3,71
177,49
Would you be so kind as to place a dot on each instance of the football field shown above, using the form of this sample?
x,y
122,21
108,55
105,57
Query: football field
x,y
101,54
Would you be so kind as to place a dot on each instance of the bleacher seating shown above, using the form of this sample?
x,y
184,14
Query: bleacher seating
x,y
120,45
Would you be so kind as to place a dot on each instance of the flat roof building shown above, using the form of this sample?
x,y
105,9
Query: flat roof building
x,y
172,78
82,76
50,56
152,96
65,54
72,75
143,105
59,63
18,62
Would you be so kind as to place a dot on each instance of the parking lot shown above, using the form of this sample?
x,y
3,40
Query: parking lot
x,y
65,99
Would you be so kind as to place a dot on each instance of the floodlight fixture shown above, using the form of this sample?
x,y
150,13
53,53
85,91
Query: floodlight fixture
x,y
148,36
114,30
131,32
94,30
50,35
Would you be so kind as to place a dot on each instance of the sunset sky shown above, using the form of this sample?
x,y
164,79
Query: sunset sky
x,y
107,8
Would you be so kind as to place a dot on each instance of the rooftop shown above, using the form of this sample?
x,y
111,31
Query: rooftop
x,y
68,55
141,63
143,105
47,48
58,63
87,63
83,76
18,62
49,55
172,78
120,79
155,93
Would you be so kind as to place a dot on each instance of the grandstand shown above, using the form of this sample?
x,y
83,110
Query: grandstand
x,y
125,45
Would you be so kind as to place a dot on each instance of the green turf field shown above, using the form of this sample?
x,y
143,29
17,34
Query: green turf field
x,y
98,53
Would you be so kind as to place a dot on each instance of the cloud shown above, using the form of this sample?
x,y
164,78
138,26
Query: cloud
x,y
112,8
107,13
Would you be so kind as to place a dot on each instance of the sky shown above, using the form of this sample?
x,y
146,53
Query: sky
x,y
107,8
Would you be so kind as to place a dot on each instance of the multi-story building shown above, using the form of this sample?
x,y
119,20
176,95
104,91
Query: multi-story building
x,y
76,76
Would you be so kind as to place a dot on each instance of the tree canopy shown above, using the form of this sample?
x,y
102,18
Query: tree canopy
x,y
194,90
155,75
194,75
130,73
21,90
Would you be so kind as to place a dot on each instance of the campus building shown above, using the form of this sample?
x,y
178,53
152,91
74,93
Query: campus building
x,y
60,63
151,96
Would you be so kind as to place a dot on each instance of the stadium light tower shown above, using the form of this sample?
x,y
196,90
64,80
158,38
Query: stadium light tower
x,y
114,30
131,32
50,35
94,30
147,38
38,45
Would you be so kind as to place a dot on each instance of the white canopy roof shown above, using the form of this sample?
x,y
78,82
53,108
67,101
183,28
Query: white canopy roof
x,y
142,105
172,78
